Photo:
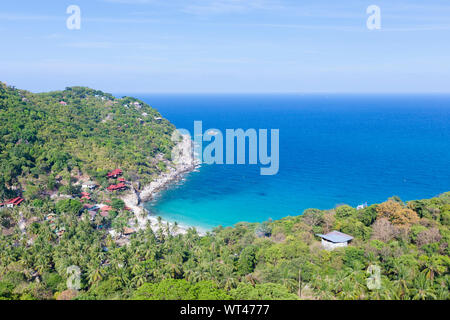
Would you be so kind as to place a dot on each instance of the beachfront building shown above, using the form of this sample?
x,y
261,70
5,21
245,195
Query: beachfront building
x,y
335,239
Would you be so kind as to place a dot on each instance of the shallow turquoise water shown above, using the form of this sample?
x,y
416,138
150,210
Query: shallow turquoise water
x,y
334,149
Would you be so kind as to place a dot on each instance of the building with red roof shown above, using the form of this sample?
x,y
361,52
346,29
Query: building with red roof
x,y
115,173
127,231
104,211
13,202
85,196
117,187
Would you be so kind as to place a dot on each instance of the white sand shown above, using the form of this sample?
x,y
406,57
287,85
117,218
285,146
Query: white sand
x,y
183,163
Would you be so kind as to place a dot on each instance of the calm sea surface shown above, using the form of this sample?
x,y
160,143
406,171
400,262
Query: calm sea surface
x,y
334,149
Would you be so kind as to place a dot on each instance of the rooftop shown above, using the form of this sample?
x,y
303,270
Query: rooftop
x,y
336,237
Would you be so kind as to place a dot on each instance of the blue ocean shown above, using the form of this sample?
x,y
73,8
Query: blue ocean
x,y
334,149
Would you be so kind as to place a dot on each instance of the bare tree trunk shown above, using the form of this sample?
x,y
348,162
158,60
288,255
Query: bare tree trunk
x,y
299,283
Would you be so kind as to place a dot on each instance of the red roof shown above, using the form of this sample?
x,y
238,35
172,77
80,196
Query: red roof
x,y
15,201
115,173
107,208
121,179
115,187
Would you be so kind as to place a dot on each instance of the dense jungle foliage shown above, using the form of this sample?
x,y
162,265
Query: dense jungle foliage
x,y
273,260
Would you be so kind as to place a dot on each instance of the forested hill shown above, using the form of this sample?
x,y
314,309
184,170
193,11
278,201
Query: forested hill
x,y
46,135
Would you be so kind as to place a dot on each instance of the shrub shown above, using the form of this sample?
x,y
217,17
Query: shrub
x,y
345,211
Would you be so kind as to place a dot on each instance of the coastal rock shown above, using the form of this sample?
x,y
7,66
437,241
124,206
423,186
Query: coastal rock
x,y
183,162
132,198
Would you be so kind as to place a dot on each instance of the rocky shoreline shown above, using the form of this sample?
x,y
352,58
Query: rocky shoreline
x,y
183,163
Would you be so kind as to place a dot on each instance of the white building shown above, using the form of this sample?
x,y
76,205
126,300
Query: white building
x,y
335,239
89,185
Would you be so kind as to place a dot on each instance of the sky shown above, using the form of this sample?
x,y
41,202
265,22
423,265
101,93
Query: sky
x,y
227,46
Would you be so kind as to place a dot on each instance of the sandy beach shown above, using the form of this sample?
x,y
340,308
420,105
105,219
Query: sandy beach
x,y
183,163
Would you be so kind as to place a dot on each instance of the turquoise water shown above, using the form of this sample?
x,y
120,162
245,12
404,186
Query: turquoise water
x,y
334,149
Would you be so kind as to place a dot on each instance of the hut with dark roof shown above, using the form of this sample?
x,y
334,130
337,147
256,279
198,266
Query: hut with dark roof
x,y
335,239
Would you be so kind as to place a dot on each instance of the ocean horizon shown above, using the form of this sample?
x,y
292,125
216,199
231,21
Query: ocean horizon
x,y
334,149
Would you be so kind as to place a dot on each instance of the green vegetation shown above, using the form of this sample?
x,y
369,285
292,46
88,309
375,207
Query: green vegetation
x,y
47,139
48,147
275,260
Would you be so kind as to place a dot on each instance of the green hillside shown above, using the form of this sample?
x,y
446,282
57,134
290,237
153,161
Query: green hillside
x,y
273,260
78,131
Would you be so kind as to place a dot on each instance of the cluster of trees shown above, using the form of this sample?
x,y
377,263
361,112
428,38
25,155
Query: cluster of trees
x,y
47,135
280,259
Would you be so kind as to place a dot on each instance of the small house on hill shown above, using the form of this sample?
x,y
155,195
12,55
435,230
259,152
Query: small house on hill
x,y
118,187
335,239
60,232
104,211
106,208
85,196
13,202
127,231
115,173
89,185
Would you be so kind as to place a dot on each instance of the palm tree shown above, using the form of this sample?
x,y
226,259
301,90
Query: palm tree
x,y
95,275
173,265
422,289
